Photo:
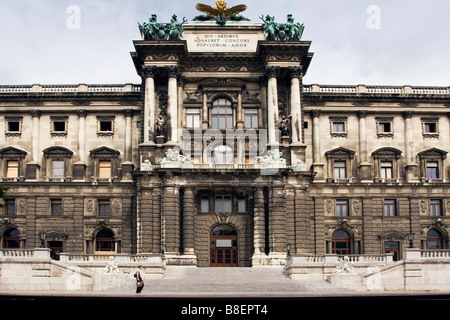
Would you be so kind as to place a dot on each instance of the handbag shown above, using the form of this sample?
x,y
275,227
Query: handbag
x,y
139,283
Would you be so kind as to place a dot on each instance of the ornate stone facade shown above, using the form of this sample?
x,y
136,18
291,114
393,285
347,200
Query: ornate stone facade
x,y
355,170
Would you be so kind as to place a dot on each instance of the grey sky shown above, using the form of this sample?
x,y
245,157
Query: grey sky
x,y
409,45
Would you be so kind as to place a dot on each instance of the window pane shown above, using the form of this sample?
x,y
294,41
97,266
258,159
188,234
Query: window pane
x,y
12,169
339,170
242,205
10,207
104,209
389,208
104,169
205,204
432,170
341,208
338,127
386,170
58,168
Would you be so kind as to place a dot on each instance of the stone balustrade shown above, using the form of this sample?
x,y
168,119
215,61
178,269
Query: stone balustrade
x,y
36,88
357,89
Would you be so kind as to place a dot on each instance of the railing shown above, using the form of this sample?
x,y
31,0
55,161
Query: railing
x,y
70,88
435,254
352,89
357,89
353,258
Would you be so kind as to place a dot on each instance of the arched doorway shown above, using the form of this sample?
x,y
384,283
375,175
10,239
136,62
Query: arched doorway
x,y
341,243
11,239
223,247
104,242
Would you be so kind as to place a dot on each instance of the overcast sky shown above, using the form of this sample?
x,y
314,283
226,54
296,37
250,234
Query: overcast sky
x,y
377,42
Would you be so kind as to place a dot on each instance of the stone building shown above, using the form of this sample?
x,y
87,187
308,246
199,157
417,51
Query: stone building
x,y
222,156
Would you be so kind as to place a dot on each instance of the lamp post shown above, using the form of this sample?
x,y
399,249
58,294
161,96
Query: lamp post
x,y
288,249
411,239
42,236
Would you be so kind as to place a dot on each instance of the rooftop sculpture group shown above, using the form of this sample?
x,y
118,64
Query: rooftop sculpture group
x,y
273,31
152,30
289,31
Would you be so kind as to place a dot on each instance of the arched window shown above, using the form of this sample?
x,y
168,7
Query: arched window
x,y
222,114
341,243
11,239
434,239
104,241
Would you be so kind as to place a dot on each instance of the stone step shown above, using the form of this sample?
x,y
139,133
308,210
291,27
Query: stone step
x,y
256,279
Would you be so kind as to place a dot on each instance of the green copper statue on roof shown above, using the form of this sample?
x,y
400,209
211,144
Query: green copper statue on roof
x,y
289,31
154,31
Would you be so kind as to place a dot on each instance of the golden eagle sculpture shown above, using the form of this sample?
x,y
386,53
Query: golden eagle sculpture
x,y
221,9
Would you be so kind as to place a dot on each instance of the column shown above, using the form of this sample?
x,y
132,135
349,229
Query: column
x,y
315,114
35,114
79,168
127,165
272,105
149,104
317,165
365,168
259,224
205,117
82,114
172,104
296,108
32,170
189,221
128,113
412,169
239,117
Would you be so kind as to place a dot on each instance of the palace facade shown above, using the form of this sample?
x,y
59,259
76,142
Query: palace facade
x,y
222,156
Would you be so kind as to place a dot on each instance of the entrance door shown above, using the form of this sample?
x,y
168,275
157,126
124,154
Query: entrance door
x,y
223,247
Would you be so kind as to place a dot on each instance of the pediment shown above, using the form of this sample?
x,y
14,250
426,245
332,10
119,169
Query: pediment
x,y
105,152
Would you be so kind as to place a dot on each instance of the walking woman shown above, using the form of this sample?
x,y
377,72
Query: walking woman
x,y
139,280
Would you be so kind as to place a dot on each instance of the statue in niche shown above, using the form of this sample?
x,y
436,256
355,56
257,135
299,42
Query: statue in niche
x,y
161,130
284,125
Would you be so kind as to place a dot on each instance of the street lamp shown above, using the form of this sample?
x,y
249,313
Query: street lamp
x,y
288,249
411,239
42,236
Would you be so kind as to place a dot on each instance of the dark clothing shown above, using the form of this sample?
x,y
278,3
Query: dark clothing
x,y
139,279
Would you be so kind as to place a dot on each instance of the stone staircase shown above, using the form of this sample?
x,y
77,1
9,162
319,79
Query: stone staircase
x,y
260,280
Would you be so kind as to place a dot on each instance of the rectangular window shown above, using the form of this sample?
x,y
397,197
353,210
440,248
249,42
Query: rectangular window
x,y
432,170
389,208
104,169
10,207
430,127
204,205
12,169
59,126
193,118
223,203
338,127
340,170
251,118
58,169
342,208
386,170
56,205
435,208
104,208
242,205
384,127
105,126
13,126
